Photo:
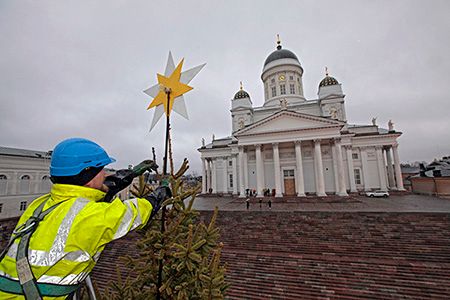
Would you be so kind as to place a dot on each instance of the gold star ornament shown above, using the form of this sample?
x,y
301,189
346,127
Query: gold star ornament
x,y
173,84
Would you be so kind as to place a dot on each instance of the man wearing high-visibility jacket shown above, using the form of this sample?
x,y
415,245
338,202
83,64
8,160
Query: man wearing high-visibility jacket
x,y
61,235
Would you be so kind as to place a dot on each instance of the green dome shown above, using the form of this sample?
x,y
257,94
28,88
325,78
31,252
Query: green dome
x,y
241,94
328,80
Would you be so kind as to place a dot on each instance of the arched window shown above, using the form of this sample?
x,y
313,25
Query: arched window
x,y
45,184
24,184
3,182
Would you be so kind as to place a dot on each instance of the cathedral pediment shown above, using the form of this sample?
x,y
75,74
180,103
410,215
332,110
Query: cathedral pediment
x,y
286,120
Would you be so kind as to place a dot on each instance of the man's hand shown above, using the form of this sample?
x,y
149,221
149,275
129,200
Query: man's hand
x,y
146,165
124,177
157,198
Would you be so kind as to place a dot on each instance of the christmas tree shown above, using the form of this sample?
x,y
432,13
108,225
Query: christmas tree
x,y
188,250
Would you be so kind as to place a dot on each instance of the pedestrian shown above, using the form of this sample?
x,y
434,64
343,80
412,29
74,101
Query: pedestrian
x,y
60,236
270,204
260,202
247,202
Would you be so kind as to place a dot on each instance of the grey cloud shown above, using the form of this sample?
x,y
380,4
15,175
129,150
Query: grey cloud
x,y
78,68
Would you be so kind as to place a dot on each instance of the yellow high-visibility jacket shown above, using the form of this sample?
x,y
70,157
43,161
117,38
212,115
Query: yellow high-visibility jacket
x,y
68,242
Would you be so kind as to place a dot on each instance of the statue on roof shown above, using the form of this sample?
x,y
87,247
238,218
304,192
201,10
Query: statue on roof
x,y
333,112
374,121
213,137
283,103
391,125
241,123
203,142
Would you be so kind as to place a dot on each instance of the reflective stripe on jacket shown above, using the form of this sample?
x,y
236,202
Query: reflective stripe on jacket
x,y
68,242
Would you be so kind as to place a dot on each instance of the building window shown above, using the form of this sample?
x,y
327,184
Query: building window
x,y
45,184
3,181
231,180
282,89
23,205
288,173
357,176
274,91
230,163
292,88
355,155
1,207
24,184
291,77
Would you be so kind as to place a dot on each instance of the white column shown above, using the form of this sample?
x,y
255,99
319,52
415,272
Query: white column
x,y
225,175
300,177
214,175
398,169
381,168
204,176
340,166
208,175
259,171
320,183
390,168
335,168
386,175
365,168
351,172
245,170
241,173
276,164
235,188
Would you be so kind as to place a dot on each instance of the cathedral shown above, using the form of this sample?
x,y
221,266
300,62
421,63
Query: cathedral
x,y
292,146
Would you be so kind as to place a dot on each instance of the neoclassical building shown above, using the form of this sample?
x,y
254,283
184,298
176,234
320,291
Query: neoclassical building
x,y
297,146
24,176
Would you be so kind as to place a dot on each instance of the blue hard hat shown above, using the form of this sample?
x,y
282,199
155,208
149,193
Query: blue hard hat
x,y
73,155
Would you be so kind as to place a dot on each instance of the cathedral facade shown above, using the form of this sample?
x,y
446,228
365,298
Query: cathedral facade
x,y
292,146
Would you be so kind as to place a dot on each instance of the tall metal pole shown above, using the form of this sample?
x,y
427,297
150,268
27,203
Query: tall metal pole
x,y
163,214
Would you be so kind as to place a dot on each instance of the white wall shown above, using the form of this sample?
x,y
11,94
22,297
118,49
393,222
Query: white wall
x,y
14,190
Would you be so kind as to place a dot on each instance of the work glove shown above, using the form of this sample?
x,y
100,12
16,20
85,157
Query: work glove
x,y
124,177
157,197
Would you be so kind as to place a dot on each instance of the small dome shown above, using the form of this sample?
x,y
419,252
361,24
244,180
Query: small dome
x,y
241,94
328,80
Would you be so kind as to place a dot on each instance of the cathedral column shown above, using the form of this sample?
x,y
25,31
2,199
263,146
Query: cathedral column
x,y
398,169
381,168
208,175
351,171
320,183
225,175
340,166
276,163
234,161
390,168
383,155
214,175
300,176
241,172
335,168
259,170
245,169
204,189
365,168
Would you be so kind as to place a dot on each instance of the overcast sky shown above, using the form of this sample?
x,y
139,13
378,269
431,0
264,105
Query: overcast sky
x,y
78,68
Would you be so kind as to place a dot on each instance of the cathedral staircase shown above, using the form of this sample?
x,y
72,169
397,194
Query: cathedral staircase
x,y
322,255
284,255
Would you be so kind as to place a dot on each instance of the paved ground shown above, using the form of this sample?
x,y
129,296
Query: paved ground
x,y
401,203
